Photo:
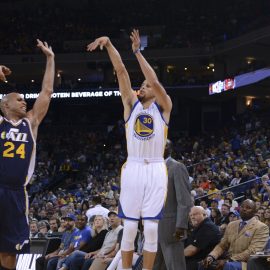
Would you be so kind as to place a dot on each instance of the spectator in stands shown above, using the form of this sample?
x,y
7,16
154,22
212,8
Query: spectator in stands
x,y
204,205
51,197
43,227
107,259
265,186
214,204
54,259
32,213
254,194
49,209
99,231
237,178
228,202
234,215
83,261
242,238
62,227
84,207
42,215
54,224
225,210
97,209
83,236
212,189
220,200
81,239
205,184
33,228
260,214
215,216
204,237
267,216
109,193
230,195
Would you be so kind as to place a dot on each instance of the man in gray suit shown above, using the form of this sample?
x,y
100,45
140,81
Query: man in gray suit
x,y
173,227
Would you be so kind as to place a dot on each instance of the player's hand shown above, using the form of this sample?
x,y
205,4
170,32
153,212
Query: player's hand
x,y
135,38
179,233
45,48
99,42
4,71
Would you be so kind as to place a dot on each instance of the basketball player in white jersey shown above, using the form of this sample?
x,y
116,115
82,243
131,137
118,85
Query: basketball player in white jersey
x,y
144,175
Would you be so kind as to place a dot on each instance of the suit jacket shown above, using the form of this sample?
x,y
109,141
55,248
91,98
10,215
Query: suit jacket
x,y
178,203
240,245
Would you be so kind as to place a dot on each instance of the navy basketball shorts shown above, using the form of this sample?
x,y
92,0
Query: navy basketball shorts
x,y
14,227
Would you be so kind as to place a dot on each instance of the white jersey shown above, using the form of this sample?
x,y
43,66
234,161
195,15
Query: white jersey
x,y
146,132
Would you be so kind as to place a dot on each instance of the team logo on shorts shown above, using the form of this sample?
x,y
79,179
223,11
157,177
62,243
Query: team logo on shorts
x,y
20,246
144,126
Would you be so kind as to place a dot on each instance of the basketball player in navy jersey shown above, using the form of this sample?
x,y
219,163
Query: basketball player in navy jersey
x,y
18,133
144,175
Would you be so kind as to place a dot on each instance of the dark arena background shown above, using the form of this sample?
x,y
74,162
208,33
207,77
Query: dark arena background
x,y
213,59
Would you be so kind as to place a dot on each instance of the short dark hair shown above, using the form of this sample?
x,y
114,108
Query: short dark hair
x,y
34,221
228,206
228,199
96,199
57,220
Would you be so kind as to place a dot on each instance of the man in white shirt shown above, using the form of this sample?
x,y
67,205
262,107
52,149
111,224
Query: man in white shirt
x,y
98,209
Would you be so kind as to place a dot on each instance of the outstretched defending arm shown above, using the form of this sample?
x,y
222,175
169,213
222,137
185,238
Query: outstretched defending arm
x,y
161,96
42,103
128,96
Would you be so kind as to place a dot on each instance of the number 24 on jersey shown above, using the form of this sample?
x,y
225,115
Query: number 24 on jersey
x,y
10,150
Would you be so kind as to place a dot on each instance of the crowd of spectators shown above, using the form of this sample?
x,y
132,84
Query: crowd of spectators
x,y
77,166
182,24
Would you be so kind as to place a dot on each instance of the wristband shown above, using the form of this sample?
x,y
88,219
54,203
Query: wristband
x,y
137,50
211,257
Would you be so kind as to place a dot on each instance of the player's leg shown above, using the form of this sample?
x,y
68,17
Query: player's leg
x,y
14,230
7,257
131,198
127,244
150,243
7,261
153,203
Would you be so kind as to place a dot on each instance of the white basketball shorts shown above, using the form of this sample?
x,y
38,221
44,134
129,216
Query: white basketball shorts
x,y
143,189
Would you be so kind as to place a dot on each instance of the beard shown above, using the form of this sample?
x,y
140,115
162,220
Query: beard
x,y
140,98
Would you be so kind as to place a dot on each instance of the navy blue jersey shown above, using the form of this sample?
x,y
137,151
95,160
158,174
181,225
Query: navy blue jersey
x,y
17,153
